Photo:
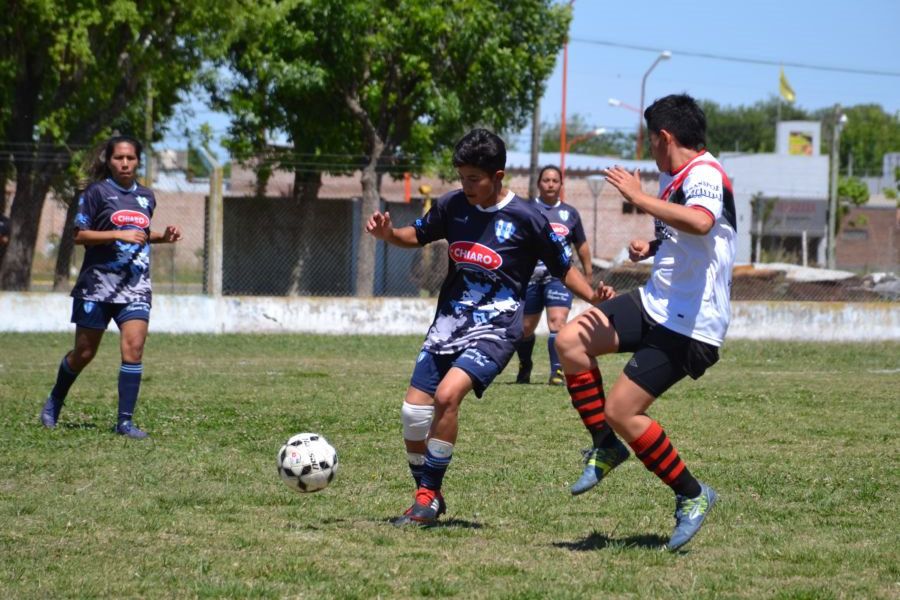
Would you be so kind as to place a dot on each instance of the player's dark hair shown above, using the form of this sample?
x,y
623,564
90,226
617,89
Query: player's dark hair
x,y
481,149
549,168
680,115
99,169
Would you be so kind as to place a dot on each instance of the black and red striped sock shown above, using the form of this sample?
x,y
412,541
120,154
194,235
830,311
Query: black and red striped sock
x,y
659,455
586,391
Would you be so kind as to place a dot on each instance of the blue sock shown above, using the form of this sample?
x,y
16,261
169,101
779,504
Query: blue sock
x,y
525,348
129,386
554,357
65,377
437,459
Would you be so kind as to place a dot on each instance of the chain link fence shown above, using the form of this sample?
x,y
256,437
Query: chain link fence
x,y
280,246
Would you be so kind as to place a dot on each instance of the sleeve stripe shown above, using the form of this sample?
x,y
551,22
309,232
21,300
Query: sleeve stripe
x,y
712,217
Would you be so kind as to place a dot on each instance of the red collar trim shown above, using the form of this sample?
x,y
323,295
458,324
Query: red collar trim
x,y
686,163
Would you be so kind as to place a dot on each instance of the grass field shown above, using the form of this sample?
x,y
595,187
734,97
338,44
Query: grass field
x,y
800,440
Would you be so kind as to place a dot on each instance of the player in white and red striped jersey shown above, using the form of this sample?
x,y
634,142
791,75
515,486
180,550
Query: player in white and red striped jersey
x,y
674,325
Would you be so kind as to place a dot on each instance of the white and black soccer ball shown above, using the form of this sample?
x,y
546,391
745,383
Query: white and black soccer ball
x,y
307,462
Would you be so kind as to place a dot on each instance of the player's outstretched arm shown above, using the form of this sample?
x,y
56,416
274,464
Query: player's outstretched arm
x,y
576,282
379,226
171,235
683,218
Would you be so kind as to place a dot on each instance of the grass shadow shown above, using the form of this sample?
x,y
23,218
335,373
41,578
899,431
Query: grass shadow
x,y
452,523
599,541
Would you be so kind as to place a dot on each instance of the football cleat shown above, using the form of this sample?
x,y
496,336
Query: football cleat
x,y
598,462
524,375
425,510
50,412
557,378
129,429
689,516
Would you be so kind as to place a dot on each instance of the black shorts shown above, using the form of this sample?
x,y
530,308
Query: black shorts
x,y
661,357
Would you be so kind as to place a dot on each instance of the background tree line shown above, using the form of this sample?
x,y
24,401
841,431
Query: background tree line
x,y
371,86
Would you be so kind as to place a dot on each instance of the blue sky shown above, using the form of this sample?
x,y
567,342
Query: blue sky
x,y
861,35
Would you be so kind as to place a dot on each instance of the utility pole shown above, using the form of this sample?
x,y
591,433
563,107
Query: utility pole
x,y
535,148
839,120
148,135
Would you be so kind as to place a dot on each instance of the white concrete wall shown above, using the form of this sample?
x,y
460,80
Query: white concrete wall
x,y
810,321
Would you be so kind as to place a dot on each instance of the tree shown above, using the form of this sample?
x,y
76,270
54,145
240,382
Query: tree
x,y
72,72
869,134
368,84
746,128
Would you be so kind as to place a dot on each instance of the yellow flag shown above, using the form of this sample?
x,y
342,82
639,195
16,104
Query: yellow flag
x,y
787,92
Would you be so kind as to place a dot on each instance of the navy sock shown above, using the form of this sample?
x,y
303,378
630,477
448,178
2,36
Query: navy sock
x,y
129,387
551,349
525,348
437,459
65,377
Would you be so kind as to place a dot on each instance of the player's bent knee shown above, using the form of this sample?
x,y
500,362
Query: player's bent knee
x,y
416,421
568,340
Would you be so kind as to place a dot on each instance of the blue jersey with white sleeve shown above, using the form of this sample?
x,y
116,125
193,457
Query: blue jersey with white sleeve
x,y
117,272
492,254
565,222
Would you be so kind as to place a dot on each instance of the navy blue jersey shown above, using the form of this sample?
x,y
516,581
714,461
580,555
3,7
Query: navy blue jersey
x,y
117,272
566,222
492,254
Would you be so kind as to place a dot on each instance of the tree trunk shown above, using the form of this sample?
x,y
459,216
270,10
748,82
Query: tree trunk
x,y
365,262
306,192
66,248
32,185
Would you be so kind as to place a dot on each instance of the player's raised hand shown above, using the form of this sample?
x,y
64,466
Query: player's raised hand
x,y
628,184
603,292
638,250
172,234
379,225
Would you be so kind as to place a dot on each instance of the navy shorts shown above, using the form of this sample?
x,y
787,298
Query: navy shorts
x,y
549,294
431,368
96,315
661,357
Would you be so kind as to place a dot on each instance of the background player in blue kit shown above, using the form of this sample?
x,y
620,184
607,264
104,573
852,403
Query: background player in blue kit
x,y
113,223
495,239
674,324
545,290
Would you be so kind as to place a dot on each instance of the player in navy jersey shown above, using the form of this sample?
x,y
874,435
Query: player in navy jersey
x,y
113,223
495,239
674,324
545,290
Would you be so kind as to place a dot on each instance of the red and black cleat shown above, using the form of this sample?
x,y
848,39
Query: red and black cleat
x,y
425,510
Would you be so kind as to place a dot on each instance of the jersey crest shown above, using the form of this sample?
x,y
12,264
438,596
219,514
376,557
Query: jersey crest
x,y
503,230
564,215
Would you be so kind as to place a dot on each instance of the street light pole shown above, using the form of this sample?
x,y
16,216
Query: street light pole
x,y
585,136
562,125
619,103
839,121
664,55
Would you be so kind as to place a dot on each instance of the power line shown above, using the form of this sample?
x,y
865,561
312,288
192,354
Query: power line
x,y
740,59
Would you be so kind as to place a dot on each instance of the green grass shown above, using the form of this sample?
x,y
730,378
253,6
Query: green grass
x,y
800,440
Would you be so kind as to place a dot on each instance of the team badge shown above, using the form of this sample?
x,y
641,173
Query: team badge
x,y
144,202
564,215
504,230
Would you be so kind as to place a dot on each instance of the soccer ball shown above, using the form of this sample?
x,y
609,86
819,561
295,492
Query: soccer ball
x,y
307,462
